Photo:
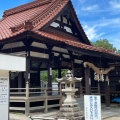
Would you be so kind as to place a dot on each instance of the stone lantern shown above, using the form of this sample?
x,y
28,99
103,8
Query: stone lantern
x,y
70,108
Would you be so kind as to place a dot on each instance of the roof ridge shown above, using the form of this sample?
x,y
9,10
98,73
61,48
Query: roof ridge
x,y
31,23
44,13
25,7
49,11
79,22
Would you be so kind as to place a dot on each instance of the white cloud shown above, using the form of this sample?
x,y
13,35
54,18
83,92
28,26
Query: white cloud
x,y
92,32
90,8
115,4
109,22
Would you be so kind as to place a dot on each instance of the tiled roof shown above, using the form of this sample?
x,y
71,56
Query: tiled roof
x,y
26,7
16,19
33,16
38,13
71,42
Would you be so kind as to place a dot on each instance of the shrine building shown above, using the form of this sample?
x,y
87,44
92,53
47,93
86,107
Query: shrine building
x,y
50,36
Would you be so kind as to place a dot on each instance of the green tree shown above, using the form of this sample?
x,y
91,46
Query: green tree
x,y
44,75
104,43
118,51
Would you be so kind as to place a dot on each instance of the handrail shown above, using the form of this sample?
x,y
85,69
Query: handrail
x,y
93,90
36,91
17,88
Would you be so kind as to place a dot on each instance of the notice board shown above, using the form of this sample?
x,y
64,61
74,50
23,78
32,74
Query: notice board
x,y
4,98
92,107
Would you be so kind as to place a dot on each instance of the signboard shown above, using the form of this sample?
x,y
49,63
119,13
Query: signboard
x,y
8,63
12,63
4,98
92,107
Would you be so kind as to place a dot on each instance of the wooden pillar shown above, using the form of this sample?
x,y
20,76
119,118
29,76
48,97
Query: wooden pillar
x,y
87,80
46,102
59,76
98,87
38,78
49,76
81,88
50,67
50,73
72,61
39,81
27,78
20,81
59,72
107,92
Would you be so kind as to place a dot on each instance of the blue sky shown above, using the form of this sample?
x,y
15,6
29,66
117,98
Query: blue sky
x,y
99,18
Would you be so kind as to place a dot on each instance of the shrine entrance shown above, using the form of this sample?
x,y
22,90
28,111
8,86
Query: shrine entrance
x,y
101,75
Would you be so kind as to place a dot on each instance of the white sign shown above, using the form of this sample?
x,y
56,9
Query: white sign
x,y
92,107
4,98
10,62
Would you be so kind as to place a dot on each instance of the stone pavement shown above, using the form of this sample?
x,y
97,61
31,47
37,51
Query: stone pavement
x,y
112,113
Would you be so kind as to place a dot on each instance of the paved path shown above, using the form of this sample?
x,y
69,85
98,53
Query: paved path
x,y
113,118
107,114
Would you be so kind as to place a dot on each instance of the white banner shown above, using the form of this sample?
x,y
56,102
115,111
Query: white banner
x,y
92,107
10,62
4,98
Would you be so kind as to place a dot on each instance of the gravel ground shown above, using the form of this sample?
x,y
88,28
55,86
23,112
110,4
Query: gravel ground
x,y
113,113
21,116
17,116
113,118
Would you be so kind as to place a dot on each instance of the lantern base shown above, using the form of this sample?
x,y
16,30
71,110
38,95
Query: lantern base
x,y
70,113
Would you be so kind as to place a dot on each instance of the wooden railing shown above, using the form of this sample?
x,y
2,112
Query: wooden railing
x,y
18,92
94,90
35,92
43,96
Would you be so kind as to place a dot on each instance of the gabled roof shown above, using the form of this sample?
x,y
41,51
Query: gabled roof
x,y
35,15
31,16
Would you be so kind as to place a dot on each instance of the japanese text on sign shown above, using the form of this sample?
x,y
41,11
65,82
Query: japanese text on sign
x,y
4,90
92,107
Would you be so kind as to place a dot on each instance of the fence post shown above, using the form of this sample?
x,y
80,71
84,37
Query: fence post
x,y
46,102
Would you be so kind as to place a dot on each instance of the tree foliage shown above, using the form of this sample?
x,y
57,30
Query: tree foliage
x,y
44,75
105,43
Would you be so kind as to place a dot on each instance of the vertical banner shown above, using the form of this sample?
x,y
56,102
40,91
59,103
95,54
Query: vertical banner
x,y
92,107
4,98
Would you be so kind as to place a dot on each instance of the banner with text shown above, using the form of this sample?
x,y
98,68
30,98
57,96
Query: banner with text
x,y
92,107
4,98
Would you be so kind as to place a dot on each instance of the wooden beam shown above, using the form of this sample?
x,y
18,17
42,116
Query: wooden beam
x,y
83,51
46,51
16,49
64,24
92,53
